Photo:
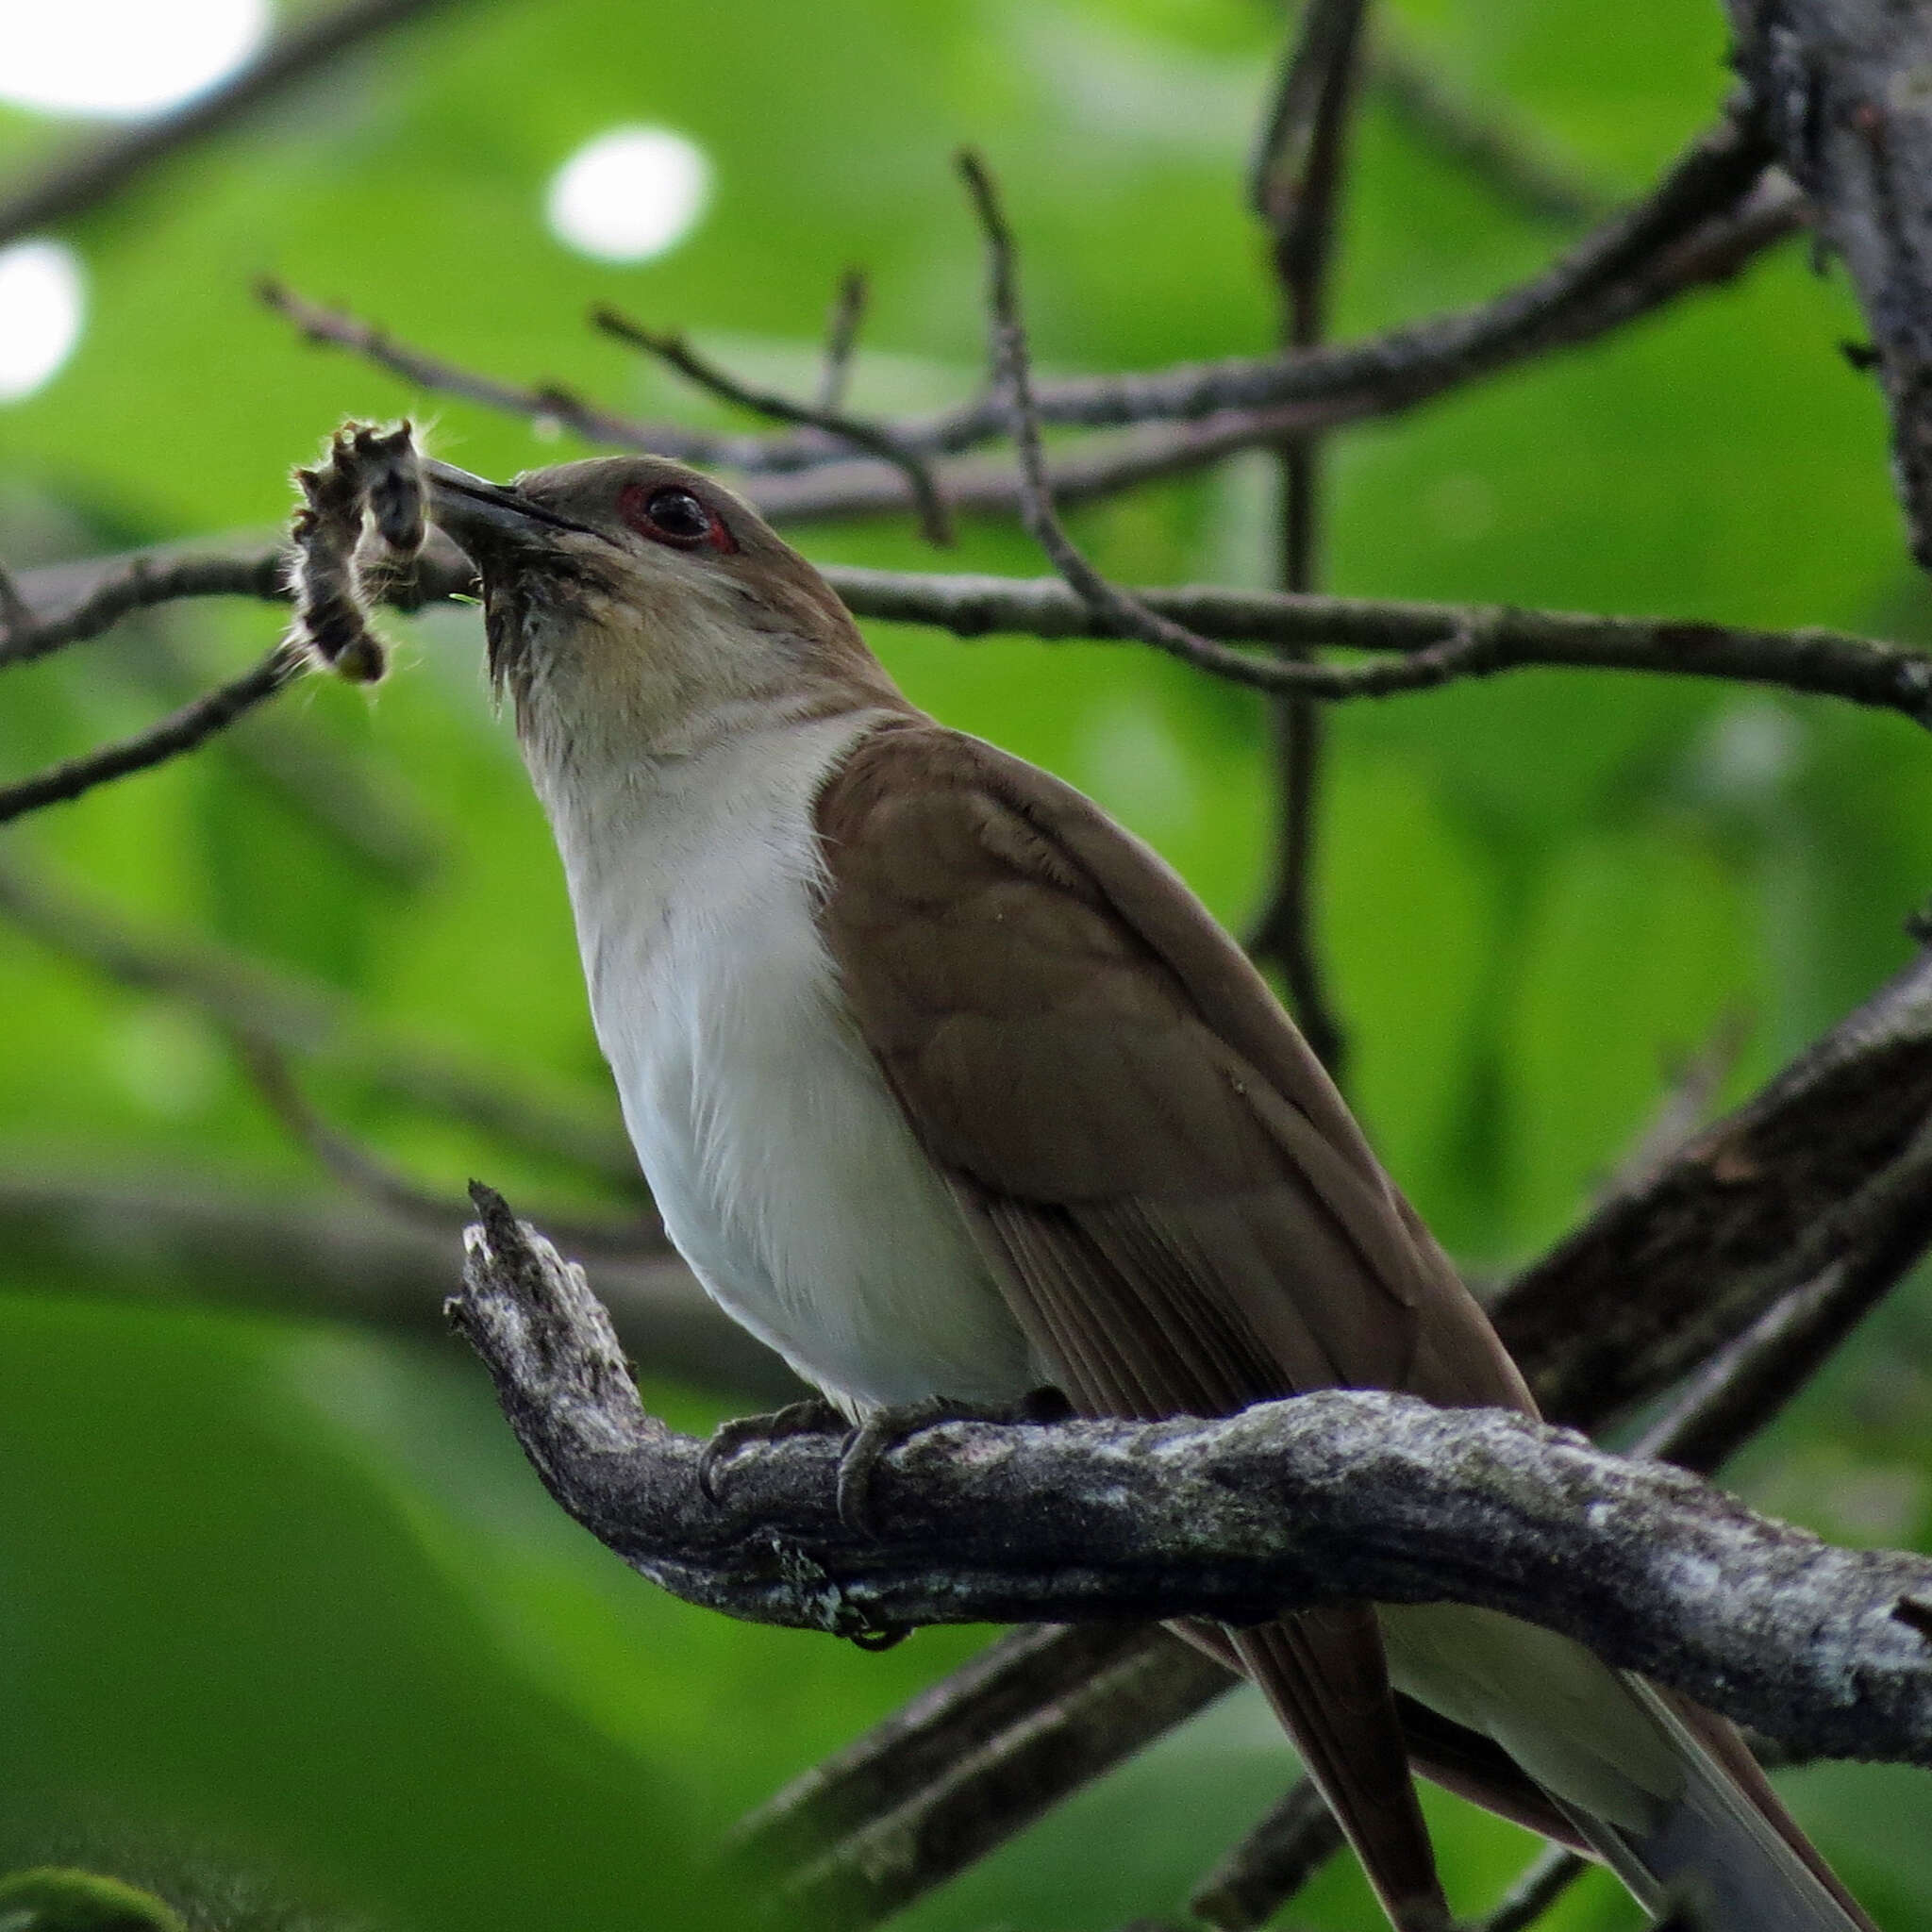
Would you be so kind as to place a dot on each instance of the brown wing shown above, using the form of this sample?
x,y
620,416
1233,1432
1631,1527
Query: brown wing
x,y
1185,1216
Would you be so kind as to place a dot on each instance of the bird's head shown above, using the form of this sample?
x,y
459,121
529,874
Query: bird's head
x,y
635,606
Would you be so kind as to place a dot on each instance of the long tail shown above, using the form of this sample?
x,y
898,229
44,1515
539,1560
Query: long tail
x,y
1667,1795
1727,1840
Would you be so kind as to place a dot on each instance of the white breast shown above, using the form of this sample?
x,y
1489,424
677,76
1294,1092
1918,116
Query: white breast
x,y
780,1159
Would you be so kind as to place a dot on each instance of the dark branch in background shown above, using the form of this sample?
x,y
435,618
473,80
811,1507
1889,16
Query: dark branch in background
x,y
1819,663
1295,186
1334,1495
873,438
132,583
999,1742
1840,1125
1554,1870
1455,656
1844,88
841,337
1706,218
239,994
81,180
368,1175
1513,160
1294,1839
192,725
189,1239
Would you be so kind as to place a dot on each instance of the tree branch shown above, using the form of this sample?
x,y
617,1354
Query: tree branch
x,y
192,725
1294,188
1813,661
1513,160
81,180
1707,217
241,994
875,439
1843,86
1329,1497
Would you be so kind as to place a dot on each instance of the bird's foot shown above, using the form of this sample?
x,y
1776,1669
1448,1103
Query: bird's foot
x,y
883,1431
814,1416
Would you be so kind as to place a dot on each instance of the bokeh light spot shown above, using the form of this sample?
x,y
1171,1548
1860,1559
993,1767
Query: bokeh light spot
x,y
42,302
630,194
124,57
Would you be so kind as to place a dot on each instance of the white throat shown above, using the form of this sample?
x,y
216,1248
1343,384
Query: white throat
x,y
782,1166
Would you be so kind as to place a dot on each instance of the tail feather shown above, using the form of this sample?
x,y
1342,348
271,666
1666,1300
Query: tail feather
x,y
1665,1792
1727,1841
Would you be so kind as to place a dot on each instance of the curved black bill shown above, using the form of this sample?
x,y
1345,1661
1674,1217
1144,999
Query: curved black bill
x,y
477,513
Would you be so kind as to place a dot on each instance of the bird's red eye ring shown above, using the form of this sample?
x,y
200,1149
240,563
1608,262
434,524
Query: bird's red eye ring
x,y
669,513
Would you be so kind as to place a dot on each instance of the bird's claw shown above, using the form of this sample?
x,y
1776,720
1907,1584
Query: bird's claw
x,y
814,1416
867,1445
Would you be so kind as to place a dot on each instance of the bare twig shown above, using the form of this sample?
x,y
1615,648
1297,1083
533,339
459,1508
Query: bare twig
x,y
932,1791
1292,1841
240,994
1460,654
875,439
841,337
1513,160
374,1179
1339,1495
1294,189
1706,218
336,328
182,731
1688,1100
1438,637
134,583
1545,1880
82,180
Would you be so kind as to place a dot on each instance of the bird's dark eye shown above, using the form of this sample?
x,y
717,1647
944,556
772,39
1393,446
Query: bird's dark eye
x,y
670,513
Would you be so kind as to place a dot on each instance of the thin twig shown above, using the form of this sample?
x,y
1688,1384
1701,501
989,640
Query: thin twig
x,y
1294,188
1544,1881
241,994
1459,655
841,337
1514,161
1443,640
82,180
1688,1099
1292,1841
875,439
337,328
1708,216
182,731
367,1175
138,583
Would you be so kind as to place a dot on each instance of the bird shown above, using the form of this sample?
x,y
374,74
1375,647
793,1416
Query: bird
x,y
949,1090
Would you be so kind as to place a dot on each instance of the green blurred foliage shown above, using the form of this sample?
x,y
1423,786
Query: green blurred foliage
x,y
288,1594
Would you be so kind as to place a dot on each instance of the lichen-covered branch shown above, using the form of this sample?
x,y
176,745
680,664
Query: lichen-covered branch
x,y
1341,1495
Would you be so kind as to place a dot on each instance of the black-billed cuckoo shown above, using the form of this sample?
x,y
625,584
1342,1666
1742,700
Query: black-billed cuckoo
x,y
947,1086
